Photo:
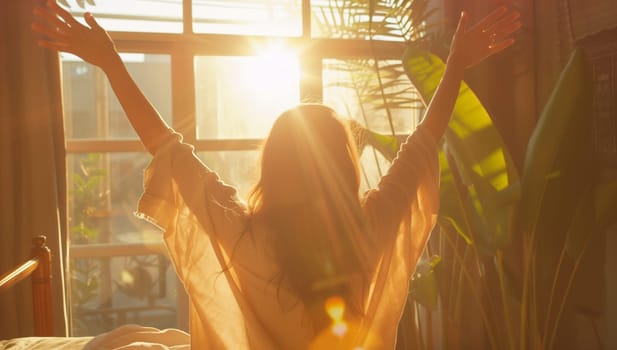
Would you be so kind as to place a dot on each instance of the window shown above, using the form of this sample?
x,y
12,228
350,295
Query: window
x,y
239,97
195,60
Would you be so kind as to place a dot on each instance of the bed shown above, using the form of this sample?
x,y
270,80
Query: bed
x,y
38,269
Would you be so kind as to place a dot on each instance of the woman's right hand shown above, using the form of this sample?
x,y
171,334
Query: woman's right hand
x,y
489,36
62,32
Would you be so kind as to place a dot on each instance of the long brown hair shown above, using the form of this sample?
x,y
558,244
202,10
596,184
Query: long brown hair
x,y
308,195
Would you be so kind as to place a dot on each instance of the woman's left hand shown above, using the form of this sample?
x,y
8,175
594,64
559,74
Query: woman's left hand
x,y
489,36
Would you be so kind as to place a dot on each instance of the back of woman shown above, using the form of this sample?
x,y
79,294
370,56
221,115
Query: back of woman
x,y
259,275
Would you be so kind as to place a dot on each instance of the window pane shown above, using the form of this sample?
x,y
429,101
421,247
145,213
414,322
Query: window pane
x,y
161,16
248,17
109,291
103,192
373,166
352,88
237,168
92,110
240,97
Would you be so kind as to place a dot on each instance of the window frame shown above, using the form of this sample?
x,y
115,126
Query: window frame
x,y
182,48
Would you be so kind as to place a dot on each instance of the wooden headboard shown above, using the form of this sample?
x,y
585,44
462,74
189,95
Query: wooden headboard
x,y
38,268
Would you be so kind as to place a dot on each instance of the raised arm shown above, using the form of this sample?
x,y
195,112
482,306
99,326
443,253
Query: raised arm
x,y
469,47
94,45
413,175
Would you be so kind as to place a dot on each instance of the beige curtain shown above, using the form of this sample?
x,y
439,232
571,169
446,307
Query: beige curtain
x,y
32,164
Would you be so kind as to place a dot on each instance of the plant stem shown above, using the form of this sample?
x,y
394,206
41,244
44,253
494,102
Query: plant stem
x,y
483,280
476,295
528,247
458,182
533,302
567,290
429,330
523,335
552,293
459,287
418,320
504,298
452,278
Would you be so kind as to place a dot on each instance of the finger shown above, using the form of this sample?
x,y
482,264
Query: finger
x,y
53,45
64,14
492,17
499,46
89,17
504,21
506,31
462,23
50,32
50,18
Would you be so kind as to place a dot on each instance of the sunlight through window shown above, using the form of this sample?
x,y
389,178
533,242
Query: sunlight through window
x,y
92,110
248,17
239,97
160,16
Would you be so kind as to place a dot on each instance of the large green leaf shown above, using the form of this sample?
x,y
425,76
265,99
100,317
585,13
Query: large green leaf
x,y
453,211
558,158
478,152
557,213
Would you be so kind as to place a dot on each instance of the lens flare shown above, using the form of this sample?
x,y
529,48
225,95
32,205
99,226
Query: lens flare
x,y
335,308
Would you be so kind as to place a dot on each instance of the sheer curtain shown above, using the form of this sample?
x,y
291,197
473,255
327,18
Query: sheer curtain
x,y
32,164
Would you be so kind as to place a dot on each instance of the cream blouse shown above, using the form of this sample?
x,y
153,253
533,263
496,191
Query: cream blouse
x,y
233,303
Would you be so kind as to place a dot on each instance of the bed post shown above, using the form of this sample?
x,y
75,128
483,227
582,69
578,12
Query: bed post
x,y
42,302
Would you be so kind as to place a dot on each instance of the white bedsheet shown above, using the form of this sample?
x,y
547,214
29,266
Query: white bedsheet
x,y
128,337
44,343
133,337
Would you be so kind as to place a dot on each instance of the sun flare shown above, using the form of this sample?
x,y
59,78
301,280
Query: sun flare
x,y
274,71
241,96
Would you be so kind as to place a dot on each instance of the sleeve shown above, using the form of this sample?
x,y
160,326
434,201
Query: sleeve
x,y
408,195
402,211
197,211
202,220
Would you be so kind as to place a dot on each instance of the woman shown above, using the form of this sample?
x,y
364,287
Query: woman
x,y
258,273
